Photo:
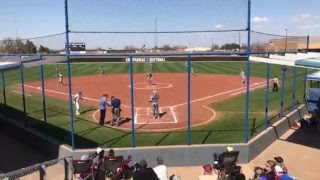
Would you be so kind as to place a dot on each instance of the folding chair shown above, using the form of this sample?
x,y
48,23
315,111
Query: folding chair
x,y
82,169
113,166
227,162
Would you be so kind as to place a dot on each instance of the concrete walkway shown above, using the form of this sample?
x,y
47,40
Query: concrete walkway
x,y
300,151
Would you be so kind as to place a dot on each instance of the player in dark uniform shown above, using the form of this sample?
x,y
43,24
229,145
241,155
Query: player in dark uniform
x,y
149,78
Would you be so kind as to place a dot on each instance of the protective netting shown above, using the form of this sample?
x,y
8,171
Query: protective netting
x,y
163,42
46,44
132,24
40,171
262,42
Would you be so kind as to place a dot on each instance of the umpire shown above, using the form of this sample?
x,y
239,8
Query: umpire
x,y
103,108
116,109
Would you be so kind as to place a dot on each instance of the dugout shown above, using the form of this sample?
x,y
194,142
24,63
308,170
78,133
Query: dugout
x,y
313,91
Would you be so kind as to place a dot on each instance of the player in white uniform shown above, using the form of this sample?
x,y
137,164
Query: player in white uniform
x,y
242,76
149,78
193,70
60,79
76,100
185,65
150,65
57,66
154,100
102,71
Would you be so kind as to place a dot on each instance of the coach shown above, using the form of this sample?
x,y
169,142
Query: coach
x,y
103,108
116,109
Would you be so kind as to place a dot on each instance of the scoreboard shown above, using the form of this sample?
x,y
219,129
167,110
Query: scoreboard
x,y
77,46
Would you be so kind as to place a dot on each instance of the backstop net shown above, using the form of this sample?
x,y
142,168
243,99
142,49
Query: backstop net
x,y
158,25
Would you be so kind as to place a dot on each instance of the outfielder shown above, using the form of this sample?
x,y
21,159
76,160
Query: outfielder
x,y
185,65
150,65
57,66
76,100
60,79
154,99
149,78
102,71
242,76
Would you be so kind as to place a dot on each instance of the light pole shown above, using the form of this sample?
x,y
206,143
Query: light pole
x,y
212,44
285,47
155,34
239,42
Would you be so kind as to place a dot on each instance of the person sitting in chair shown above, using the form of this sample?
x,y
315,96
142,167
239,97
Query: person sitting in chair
x,y
306,122
226,161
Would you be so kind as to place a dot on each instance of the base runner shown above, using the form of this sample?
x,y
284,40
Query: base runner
x,y
154,99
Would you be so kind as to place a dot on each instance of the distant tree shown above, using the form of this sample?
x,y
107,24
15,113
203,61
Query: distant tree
x,y
30,48
43,49
230,47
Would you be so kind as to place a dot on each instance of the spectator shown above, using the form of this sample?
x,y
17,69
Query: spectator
x,y
103,108
207,175
161,170
306,122
258,173
269,170
174,177
279,161
280,174
144,173
275,83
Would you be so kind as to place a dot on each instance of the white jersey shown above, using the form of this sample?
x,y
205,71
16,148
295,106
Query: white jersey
x,y
154,99
242,74
275,80
77,97
60,77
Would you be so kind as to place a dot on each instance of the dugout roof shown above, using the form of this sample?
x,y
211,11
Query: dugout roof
x,y
304,60
15,62
314,76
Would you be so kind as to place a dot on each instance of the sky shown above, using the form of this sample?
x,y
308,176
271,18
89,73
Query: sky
x,y
36,18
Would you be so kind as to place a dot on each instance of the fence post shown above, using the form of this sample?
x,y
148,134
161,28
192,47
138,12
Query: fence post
x,y
43,101
282,91
23,98
42,172
267,97
248,74
4,95
294,88
69,72
132,104
308,42
305,85
189,99
66,169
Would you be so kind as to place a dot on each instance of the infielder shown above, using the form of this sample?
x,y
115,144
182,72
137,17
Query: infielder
x,y
193,70
149,78
102,71
60,79
154,99
242,76
76,100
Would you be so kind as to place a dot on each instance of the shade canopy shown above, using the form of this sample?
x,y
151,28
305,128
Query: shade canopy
x,y
303,60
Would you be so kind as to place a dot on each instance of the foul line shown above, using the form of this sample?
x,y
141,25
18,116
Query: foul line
x,y
18,92
181,104
174,115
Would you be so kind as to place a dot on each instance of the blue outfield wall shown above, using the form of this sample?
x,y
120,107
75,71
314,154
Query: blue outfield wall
x,y
182,155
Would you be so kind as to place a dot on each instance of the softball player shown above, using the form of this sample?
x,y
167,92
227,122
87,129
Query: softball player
x,y
57,66
193,70
60,79
149,78
150,65
154,98
76,100
242,76
185,65
102,71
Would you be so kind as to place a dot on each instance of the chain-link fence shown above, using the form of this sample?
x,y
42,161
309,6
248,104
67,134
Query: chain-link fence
x,y
56,169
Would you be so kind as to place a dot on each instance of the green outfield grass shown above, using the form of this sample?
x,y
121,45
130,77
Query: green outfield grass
x,y
227,128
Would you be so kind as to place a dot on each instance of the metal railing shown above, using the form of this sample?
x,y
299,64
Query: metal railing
x,y
39,171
